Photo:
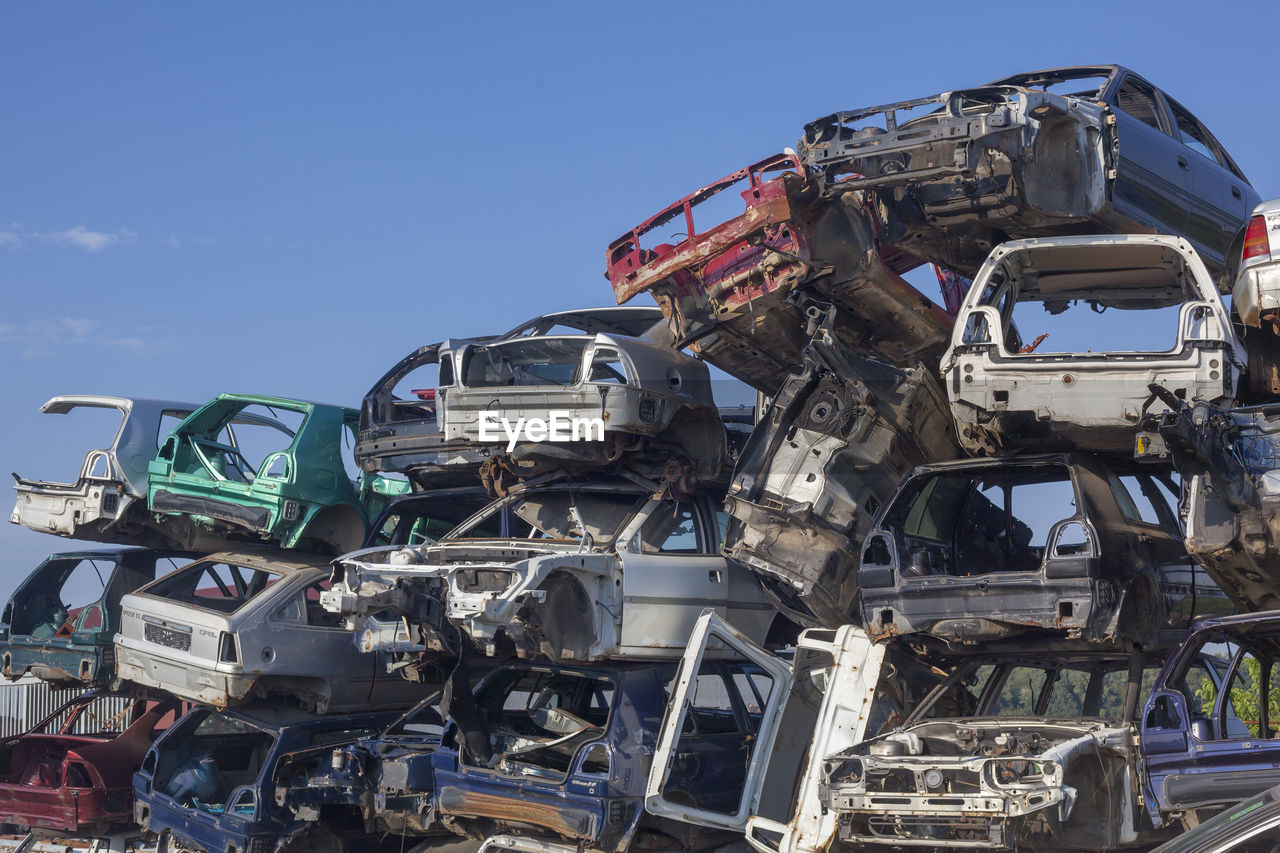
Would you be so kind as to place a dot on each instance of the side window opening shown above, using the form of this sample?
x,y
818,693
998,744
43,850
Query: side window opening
x,y
1193,134
1139,101
607,368
413,397
64,599
673,529
317,616
710,768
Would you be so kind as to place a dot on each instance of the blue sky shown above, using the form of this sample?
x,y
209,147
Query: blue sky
x,y
287,197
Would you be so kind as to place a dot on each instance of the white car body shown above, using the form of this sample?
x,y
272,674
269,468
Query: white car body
x,y
111,479
1003,397
801,723
1257,286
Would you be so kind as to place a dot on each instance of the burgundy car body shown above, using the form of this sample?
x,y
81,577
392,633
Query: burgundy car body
x,y
727,291
69,774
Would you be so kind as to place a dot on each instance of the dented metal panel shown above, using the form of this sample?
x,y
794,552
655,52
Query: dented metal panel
x,y
1228,461
732,292
828,453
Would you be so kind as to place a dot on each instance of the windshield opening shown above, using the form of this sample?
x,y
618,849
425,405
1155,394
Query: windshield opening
x,y
550,514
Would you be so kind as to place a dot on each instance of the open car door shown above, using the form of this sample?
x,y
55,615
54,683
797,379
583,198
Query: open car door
x,y
816,706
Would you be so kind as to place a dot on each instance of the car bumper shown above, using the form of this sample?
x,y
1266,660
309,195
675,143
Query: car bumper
x,y
1257,292
184,680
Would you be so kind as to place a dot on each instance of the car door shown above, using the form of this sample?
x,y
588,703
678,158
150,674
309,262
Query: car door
x,y
672,570
1220,199
1153,179
817,706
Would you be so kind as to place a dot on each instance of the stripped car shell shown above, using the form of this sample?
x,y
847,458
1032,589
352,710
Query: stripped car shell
x,y
1229,461
239,625
406,435
828,453
1006,397
1055,546
566,751
209,783
298,495
600,402
71,771
573,571
960,171
1046,768
731,292
71,644
108,501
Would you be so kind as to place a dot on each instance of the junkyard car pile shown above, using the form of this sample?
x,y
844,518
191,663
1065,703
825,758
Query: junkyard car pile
x,y
1000,571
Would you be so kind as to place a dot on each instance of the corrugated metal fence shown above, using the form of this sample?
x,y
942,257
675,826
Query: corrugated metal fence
x,y
27,701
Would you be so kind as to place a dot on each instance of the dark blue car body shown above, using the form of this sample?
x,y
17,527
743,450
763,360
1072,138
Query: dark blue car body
x,y
1206,740
210,781
569,751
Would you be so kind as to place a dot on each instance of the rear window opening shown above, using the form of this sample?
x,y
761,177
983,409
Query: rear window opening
x,y
222,587
218,755
69,432
53,603
1095,299
536,361
538,720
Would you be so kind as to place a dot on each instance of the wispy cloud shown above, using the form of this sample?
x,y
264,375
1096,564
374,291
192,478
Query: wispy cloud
x,y
53,335
79,237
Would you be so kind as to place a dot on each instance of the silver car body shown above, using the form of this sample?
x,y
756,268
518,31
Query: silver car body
x,y
1003,397
635,390
99,505
569,598
407,435
274,639
818,706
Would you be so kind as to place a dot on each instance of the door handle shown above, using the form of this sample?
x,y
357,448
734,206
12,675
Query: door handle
x,y
1235,191
1182,161
713,575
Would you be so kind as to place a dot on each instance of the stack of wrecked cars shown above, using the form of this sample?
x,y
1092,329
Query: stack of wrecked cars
x,y
994,570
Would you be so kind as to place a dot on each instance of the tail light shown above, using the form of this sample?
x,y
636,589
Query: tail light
x,y
227,648
1255,239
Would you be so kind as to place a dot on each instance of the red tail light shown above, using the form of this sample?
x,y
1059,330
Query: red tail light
x,y
1255,239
